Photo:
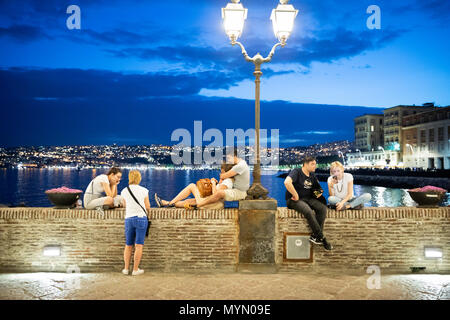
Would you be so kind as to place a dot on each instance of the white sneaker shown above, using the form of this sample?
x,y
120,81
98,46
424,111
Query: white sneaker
x,y
100,210
138,272
125,271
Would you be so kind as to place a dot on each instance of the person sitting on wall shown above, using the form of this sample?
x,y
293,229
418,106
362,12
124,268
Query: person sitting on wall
x,y
181,201
101,193
240,172
340,187
302,193
134,199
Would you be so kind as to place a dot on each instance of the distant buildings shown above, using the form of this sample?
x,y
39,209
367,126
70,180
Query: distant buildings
x,y
368,131
409,136
426,139
146,156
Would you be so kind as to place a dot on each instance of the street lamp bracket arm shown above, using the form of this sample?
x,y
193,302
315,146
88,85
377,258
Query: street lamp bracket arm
x,y
258,59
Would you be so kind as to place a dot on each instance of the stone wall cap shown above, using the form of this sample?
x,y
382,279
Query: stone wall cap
x,y
258,204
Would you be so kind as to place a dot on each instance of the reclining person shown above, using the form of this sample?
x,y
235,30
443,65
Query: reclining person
x,y
182,201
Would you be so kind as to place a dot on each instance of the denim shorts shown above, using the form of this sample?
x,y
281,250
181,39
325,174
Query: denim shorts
x,y
135,229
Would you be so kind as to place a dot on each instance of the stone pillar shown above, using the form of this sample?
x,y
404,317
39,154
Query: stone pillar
x,y
257,231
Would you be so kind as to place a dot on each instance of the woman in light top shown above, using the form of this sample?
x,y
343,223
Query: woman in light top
x,y
181,201
102,191
340,188
136,221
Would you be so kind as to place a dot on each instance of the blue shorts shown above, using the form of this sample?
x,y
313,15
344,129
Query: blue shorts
x,y
135,229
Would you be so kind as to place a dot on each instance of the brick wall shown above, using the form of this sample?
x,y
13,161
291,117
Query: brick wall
x,y
392,238
179,240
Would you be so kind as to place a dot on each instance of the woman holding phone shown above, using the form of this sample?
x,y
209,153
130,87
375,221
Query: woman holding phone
x,y
340,188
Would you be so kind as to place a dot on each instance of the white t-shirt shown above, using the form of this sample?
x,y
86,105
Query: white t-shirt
x,y
228,182
98,188
132,209
242,179
341,188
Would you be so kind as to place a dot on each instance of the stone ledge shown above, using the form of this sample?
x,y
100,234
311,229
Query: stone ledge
x,y
25,213
370,213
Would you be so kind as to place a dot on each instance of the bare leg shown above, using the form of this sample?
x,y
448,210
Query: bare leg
x,y
220,194
137,256
127,256
186,192
180,204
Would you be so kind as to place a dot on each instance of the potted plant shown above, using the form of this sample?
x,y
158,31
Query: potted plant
x,y
63,197
428,196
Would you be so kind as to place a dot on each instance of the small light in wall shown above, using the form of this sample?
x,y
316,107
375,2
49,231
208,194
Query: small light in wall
x,y
52,251
433,252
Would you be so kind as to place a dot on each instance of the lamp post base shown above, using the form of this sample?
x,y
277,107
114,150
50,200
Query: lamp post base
x,y
256,192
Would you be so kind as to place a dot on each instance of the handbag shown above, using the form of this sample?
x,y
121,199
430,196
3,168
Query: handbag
x,y
149,222
204,187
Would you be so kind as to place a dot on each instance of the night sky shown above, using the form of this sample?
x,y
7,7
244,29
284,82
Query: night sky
x,y
137,70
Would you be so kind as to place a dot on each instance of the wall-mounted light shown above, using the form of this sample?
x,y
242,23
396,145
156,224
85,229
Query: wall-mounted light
x,y
52,251
433,252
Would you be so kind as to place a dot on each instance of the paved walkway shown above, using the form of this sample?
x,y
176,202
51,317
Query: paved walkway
x,y
156,286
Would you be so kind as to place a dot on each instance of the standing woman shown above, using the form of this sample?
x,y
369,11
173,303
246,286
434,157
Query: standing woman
x,y
340,188
102,191
135,199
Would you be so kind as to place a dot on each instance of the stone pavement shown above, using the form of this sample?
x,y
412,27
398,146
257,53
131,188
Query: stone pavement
x,y
236,286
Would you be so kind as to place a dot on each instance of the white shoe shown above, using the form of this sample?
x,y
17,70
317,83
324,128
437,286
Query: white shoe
x,y
125,271
138,272
100,210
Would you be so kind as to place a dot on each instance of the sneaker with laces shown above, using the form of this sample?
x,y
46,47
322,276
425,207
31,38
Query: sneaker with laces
x,y
137,272
326,244
314,239
125,271
100,210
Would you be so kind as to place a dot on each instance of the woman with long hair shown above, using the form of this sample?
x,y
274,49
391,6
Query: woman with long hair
x,y
181,201
101,193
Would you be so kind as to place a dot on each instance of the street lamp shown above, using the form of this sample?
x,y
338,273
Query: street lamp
x,y
234,15
342,156
360,154
412,149
412,152
384,152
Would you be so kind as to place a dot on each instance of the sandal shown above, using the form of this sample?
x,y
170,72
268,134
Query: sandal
x,y
159,203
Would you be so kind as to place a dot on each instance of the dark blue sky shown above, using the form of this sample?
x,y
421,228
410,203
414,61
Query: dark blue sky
x,y
137,70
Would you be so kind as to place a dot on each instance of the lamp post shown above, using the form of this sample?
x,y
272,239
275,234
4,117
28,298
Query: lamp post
x,y
412,152
384,152
342,156
412,149
234,15
360,154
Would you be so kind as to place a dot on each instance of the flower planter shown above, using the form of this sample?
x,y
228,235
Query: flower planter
x,y
63,198
427,199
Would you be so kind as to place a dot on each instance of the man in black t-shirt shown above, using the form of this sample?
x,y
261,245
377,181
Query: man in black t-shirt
x,y
303,191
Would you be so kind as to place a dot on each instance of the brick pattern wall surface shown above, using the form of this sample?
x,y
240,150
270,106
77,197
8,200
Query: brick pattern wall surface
x,y
179,240
391,238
